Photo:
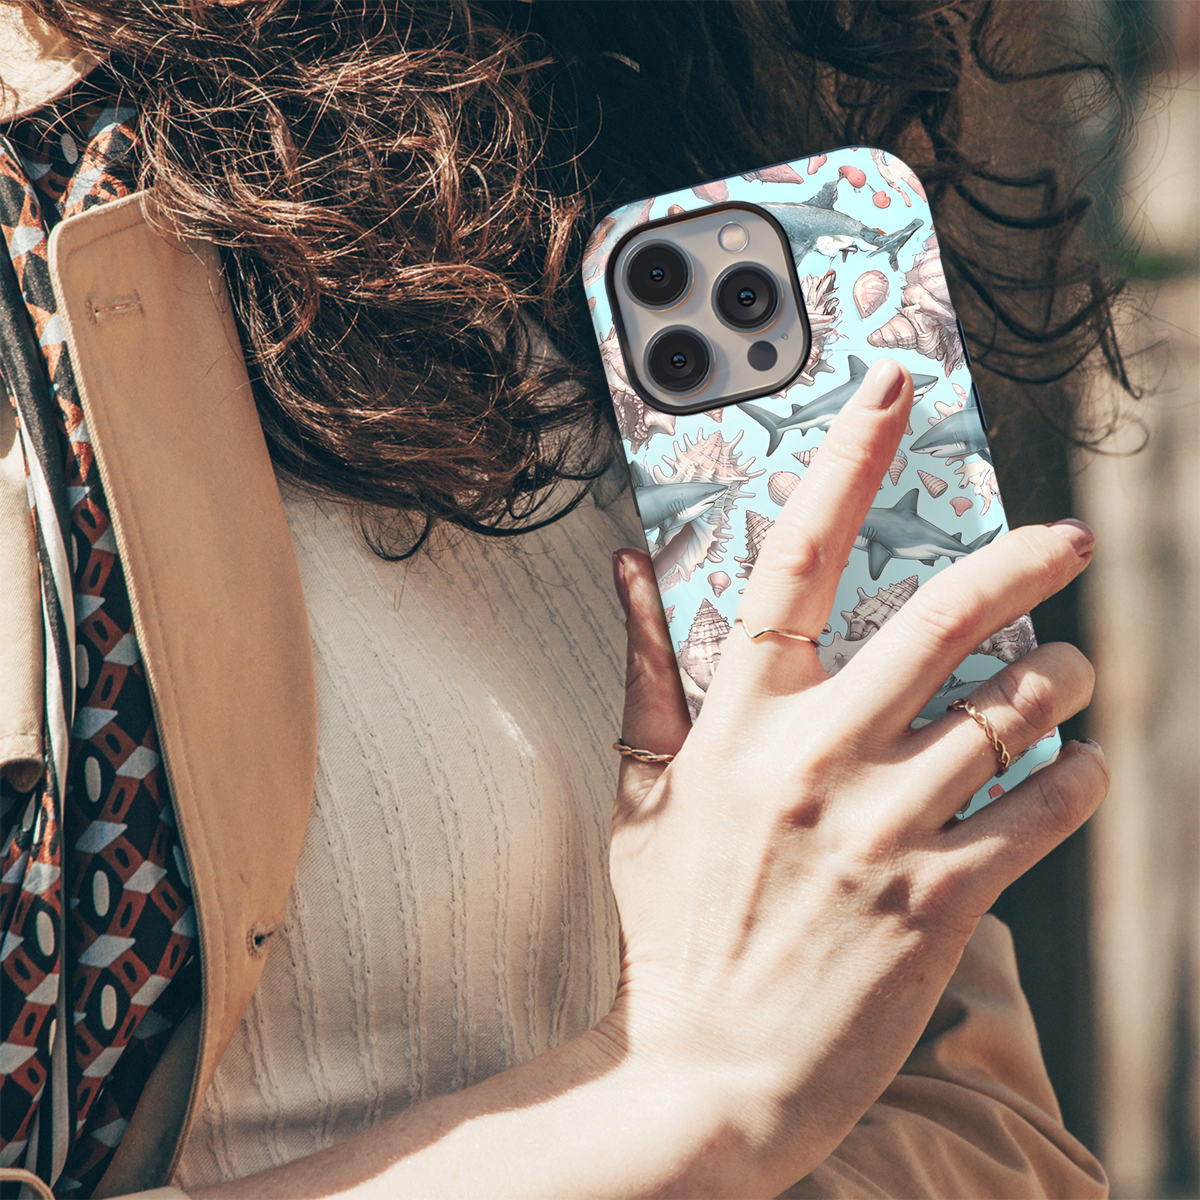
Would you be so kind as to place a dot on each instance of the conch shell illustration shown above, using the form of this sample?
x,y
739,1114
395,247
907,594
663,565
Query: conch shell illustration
x,y
871,612
926,321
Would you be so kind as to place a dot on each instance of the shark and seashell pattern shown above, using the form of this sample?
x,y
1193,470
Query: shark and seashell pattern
x,y
710,486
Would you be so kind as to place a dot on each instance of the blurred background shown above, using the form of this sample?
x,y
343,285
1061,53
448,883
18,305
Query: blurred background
x,y
1141,620
1108,927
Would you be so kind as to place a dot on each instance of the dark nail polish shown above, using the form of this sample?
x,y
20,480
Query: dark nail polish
x,y
1077,533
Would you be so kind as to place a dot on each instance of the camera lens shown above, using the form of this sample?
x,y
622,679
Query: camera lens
x,y
679,360
746,297
657,275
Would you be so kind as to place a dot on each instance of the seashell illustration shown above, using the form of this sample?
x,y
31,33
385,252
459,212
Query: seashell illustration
x,y
926,321
676,210
997,789
1010,643
898,465
780,173
853,176
979,474
870,291
715,414
893,171
716,192
683,545
805,457
669,613
871,612
700,651
719,581
821,304
960,504
757,528
933,485
608,233
816,163
781,485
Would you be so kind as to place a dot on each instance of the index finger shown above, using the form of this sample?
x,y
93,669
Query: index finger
x,y
795,579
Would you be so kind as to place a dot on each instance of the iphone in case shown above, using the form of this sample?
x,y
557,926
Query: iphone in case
x,y
856,255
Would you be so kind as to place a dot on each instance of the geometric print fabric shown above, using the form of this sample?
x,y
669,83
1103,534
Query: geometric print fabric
x,y
104,865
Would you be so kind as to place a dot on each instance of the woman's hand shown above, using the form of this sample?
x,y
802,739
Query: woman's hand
x,y
794,889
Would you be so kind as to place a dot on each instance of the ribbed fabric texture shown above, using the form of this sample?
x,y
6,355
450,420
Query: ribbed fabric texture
x,y
451,914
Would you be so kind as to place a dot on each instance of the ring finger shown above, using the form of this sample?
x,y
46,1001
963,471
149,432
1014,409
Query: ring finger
x,y
1018,705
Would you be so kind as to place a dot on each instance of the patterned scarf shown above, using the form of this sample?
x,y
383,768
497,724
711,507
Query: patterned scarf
x,y
98,957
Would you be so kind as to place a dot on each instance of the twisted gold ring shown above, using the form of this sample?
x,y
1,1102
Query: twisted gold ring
x,y
783,633
992,736
625,750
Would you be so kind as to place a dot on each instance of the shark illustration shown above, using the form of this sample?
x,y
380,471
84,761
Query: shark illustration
x,y
817,219
820,412
954,436
666,506
898,532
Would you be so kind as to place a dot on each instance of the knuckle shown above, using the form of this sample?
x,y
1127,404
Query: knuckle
x,y
797,554
941,617
1031,696
1065,801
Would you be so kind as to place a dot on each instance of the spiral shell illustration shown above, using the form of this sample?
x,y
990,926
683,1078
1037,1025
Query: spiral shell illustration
x,y
871,612
960,504
669,613
898,465
757,528
719,581
933,485
805,457
781,485
926,321
870,291
821,304
700,651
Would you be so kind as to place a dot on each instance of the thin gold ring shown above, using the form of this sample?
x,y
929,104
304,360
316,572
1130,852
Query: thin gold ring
x,y
992,736
625,750
783,633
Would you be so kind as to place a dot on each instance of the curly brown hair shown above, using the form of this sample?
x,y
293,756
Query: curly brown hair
x,y
401,192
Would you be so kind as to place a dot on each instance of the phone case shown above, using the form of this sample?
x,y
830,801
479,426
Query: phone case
x,y
868,291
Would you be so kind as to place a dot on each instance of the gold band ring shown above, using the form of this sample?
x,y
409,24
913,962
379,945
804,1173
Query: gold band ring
x,y
783,633
992,736
625,750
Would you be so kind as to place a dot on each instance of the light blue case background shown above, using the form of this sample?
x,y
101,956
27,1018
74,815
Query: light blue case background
x,y
873,286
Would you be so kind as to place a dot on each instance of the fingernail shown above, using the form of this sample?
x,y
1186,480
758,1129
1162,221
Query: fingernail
x,y
619,581
1077,533
1089,742
883,384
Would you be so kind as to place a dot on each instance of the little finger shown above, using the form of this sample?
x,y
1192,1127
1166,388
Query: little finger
x,y
986,852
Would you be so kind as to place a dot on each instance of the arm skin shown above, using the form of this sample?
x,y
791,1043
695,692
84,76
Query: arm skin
x,y
794,893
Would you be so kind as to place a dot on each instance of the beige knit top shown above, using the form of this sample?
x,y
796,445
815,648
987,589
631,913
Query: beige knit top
x,y
451,914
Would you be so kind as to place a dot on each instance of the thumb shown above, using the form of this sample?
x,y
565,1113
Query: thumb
x,y
656,715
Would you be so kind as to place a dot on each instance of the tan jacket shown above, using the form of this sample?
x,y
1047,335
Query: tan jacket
x,y
220,619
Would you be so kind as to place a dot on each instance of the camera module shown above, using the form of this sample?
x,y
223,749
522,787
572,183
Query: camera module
x,y
746,297
679,360
657,275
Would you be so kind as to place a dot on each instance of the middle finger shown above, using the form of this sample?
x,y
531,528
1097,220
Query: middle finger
x,y
904,664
